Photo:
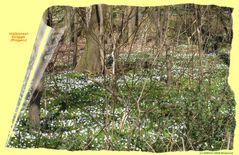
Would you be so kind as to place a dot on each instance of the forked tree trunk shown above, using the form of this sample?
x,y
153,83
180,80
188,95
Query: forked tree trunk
x,y
90,61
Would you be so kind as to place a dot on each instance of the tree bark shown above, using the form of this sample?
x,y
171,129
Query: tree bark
x,y
131,22
169,66
34,107
74,63
68,23
90,61
199,40
101,38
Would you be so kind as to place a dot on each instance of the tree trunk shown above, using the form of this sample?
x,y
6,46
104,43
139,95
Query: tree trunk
x,y
101,39
34,108
68,23
169,66
37,86
131,22
74,61
199,40
90,61
49,17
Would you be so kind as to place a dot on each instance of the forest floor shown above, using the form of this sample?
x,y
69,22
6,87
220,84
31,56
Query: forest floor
x,y
137,111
